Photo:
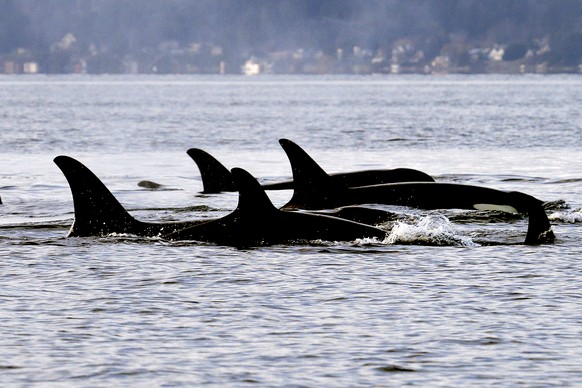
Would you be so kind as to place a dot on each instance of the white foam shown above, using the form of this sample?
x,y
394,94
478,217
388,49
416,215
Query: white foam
x,y
367,241
571,217
434,229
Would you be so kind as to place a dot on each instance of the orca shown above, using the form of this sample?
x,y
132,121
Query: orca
x,y
361,214
315,189
254,222
217,178
98,212
300,160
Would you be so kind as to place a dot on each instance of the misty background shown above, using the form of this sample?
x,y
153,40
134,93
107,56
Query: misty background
x,y
175,36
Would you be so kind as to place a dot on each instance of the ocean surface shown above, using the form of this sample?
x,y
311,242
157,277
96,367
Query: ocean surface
x,y
450,298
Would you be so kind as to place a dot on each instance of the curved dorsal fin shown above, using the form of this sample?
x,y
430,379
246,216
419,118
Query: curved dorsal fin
x,y
539,230
97,211
215,177
312,185
252,199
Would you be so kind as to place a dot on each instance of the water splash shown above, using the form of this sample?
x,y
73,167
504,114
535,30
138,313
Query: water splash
x,y
434,229
367,241
570,217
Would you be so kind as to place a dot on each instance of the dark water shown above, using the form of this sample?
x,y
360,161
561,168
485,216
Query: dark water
x,y
431,305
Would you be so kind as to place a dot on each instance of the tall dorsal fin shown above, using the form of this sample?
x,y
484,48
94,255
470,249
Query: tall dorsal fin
x,y
97,211
215,177
252,199
312,185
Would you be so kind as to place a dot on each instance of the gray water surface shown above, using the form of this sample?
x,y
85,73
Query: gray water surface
x,y
432,305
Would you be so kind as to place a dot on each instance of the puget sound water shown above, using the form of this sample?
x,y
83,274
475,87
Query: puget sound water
x,y
432,305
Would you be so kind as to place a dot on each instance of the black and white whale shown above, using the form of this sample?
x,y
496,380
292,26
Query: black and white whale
x,y
217,178
315,189
98,212
254,222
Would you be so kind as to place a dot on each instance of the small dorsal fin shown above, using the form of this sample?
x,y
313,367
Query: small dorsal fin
x,y
215,177
97,211
312,185
150,185
252,197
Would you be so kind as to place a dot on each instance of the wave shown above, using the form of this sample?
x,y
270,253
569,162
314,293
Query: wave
x,y
571,217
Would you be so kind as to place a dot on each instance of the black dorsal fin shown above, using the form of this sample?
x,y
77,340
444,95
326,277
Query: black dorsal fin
x,y
252,199
539,230
215,177
97,211
313,187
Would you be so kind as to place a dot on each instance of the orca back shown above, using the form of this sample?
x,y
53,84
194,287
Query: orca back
x,y
246,226
271,225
